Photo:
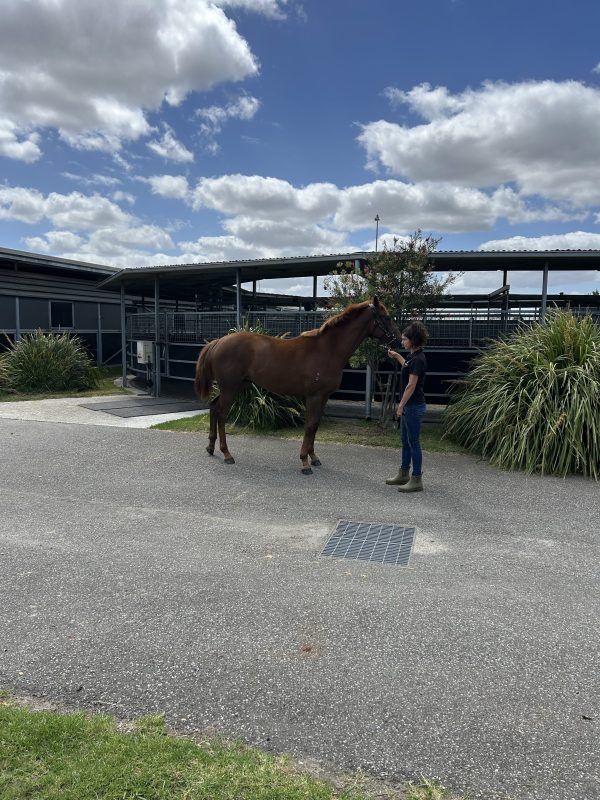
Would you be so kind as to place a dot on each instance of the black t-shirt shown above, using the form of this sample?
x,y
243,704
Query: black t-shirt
x,y
415,364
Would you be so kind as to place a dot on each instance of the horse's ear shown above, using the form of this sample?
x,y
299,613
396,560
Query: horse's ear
x,y
376,301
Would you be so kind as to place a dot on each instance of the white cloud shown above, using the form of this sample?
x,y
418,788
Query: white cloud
x,y
222,248
426,102
92,70
18,144
123,197
270,8
174,186
543,136
270,198
284,237
54,241
245,107
80,212
401,206
24,205
576,240
168,147
92,180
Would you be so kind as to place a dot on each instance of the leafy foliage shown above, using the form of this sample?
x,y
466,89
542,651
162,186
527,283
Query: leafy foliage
x,y
402,279
49,362
259,409
531,401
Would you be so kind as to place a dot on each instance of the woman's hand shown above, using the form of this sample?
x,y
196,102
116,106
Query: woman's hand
x,y
399,410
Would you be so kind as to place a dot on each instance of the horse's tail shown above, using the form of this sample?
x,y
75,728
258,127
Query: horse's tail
x,y
204,371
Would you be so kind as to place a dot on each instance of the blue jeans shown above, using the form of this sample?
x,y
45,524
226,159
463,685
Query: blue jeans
x,y
411,437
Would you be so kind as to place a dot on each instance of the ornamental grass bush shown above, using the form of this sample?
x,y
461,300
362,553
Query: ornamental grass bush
x,y
4,375
532,401
259,409
50,362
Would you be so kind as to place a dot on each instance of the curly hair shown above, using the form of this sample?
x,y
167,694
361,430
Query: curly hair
x,y
417,333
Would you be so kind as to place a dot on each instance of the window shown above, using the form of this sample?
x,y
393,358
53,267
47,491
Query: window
x,y
61,314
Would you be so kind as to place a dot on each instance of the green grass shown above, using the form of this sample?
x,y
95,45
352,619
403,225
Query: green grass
x,y
49,756
342,431
105,386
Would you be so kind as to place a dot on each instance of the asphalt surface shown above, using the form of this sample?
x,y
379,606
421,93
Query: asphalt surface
x,y
138,575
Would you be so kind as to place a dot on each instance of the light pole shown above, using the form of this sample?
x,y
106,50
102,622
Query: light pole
x,y
376,230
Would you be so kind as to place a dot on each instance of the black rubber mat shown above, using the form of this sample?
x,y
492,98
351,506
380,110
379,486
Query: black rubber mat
x,y
145,406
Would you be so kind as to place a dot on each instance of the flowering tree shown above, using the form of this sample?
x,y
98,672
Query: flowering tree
x,y
402,279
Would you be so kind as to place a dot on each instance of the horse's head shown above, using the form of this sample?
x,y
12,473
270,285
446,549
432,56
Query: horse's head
x,y
383,326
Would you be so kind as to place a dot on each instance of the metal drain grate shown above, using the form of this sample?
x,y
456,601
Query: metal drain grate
x,y
371,541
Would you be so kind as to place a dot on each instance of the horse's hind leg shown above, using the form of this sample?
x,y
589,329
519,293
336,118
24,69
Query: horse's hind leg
x,y
225,401
212,436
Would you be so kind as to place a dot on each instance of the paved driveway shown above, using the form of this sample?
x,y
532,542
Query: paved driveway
x,y
140,576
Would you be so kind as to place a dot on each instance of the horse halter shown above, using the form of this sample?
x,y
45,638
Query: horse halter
x,y
389,338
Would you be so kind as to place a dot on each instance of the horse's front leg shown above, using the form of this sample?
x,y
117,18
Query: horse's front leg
x,y
314,459
314,409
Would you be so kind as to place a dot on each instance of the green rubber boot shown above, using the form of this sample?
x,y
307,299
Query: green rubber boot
x,y
400,479
413,485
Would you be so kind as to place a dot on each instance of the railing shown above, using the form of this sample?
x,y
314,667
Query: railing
x,y
462,328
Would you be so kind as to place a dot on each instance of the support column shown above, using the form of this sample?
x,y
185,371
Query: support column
x,y
315,292
238,298
544,293
369,371
17,320
99,337
156,365
123,338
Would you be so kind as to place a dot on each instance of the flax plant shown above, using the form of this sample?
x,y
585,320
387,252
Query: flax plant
x,y
50,362
532,400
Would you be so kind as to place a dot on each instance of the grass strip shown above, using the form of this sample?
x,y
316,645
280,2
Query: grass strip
x,y
50,756
106,386
341,431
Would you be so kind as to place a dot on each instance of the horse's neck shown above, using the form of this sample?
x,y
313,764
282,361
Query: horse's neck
x,y
347,338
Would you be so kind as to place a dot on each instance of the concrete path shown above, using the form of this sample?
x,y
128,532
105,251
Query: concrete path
x,y
73,411
139,576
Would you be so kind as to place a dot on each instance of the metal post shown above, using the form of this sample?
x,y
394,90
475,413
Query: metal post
x,y
17,320
156,365
123,338
369,371
238,298
99,338
544,292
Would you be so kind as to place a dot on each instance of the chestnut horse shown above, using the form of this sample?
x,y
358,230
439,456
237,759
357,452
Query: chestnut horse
x,y
309,366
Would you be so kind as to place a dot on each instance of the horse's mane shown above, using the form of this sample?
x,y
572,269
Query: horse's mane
x,y
342,318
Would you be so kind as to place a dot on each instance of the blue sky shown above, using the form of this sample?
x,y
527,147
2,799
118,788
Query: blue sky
x,y
172,131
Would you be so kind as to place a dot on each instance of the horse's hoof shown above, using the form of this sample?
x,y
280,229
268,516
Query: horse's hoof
x,y
230,460
316,463
210,452
307,471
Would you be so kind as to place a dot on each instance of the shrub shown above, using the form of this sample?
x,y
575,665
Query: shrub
x,y
50,362
4,375
260,409
532,400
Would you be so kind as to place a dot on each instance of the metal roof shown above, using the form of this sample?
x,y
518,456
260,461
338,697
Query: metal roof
x,y
54,263
182,280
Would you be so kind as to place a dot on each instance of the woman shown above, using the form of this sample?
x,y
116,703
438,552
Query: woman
x,y
411,408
